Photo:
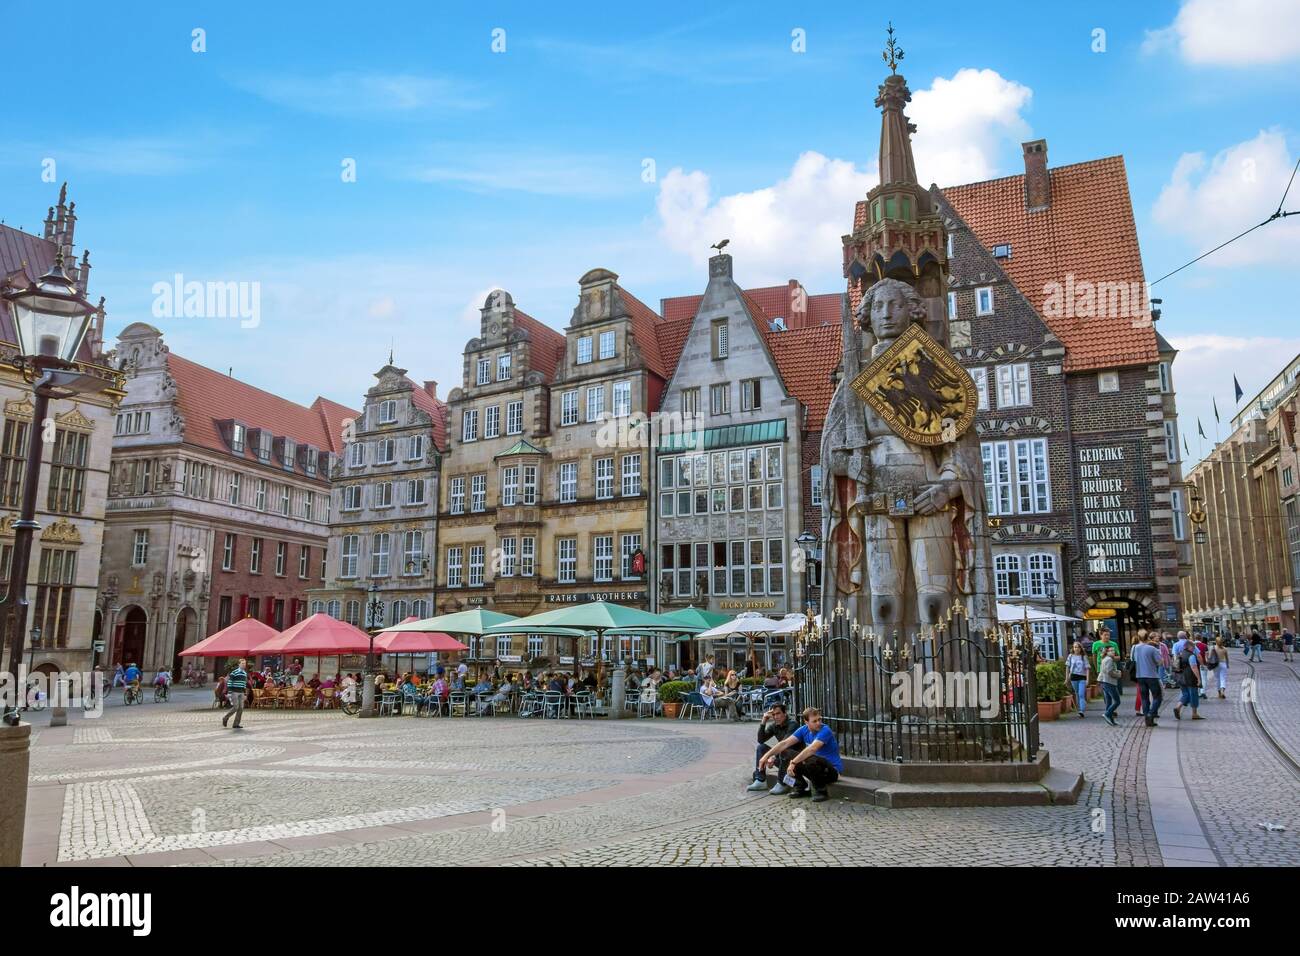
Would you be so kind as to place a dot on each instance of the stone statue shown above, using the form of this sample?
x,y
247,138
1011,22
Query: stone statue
x,y
904,526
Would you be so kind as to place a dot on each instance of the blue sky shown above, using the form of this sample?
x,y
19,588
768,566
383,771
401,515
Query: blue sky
x,y
525,168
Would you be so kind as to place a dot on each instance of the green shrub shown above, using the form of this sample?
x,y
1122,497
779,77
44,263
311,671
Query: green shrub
x,y
750,681
671,691
1050,678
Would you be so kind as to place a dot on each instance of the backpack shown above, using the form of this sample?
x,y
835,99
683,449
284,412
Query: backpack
x,y
1176,665
1212,658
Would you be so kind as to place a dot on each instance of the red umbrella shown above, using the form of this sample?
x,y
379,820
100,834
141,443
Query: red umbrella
x,y
416,642
234,641
317,635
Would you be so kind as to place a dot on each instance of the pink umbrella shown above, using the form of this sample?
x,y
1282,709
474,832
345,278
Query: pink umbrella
x,y
236,640
416,642
317,635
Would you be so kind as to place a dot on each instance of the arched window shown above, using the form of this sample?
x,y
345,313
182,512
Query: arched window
x,y
420,609
335,609
317,607
1006,575
354,613
399,612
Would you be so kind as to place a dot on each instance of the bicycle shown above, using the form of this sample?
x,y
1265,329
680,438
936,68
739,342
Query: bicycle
x,y
160,693
133,695
350,700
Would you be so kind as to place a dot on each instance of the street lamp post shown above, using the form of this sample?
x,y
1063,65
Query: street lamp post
x,y
808,542
1050,583
374,612
51,317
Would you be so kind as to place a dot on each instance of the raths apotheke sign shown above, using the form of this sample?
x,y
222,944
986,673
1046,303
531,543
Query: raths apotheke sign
x,y
1116,523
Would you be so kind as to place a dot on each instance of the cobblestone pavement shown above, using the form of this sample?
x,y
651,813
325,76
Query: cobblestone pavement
x,y
165,784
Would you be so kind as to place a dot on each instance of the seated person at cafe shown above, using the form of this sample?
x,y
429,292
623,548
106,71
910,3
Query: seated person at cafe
x,y
314,683
776,725
815,757
557,684
715,698
590,680
441,688
500,699
483,686
458,681
528,681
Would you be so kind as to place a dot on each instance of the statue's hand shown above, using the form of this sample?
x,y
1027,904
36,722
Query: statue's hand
x,y
933,498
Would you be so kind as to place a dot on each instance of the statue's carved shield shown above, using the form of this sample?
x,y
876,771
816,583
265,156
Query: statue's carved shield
x,y
920,390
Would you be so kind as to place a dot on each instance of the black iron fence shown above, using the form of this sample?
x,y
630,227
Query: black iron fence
x,y
946,694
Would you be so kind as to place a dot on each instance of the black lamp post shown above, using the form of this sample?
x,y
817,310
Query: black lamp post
x,y
808,542
51,317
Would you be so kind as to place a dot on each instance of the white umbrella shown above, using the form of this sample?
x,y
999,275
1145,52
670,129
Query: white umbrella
x,y
748,623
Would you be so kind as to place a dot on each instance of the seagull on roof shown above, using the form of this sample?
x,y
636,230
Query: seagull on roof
x,y
720,245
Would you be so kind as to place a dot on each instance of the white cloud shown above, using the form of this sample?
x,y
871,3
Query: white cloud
x,y
1236,33
962,123
1203,374
1208,202
793,228
362,94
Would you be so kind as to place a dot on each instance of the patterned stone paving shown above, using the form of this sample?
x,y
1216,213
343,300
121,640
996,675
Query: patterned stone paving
x,y
302,788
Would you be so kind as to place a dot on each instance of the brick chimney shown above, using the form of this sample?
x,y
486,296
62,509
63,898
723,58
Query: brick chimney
x,y
431,388
1038,184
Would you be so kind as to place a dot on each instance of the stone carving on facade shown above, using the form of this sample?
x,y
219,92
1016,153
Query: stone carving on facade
x,y
73,418
19,409
61,532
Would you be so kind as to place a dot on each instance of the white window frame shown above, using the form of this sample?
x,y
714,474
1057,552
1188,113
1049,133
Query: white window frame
x,y
1040,566
527,556
530,485
569,407
583,349
604,469
383,494
476,565
492,421
1166,379
455,566
351,498
456,496
140,548
815,486
602,557
415,491
1178,514
415,448
566,568
980,375
380,546
1108,381
980,294
255,557
388,411
503,367
228,552
483,372
622,399
357,454
469,425
509,486
595,402
515,418
631,474
477,493
349,555
952,302
1014,385
1004,567
607,338
628,545
568,481
1171,439
509,550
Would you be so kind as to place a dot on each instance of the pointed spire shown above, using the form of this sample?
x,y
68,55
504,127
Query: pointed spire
x,y
896,162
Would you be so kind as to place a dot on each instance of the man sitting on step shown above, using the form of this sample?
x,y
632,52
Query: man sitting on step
x,y
776,724
815,758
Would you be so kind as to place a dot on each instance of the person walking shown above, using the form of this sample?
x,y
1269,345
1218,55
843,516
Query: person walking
x,y
1146,670
1187,668
1076,669
1101,645
1217,662
1256,645
1202,672
1288,642
236,690
1108,677
1139,699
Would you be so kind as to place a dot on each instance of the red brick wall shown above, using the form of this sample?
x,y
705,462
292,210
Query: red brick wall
x,y
267,587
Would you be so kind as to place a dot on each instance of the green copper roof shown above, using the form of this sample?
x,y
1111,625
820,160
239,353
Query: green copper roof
x,y
522,447
729,436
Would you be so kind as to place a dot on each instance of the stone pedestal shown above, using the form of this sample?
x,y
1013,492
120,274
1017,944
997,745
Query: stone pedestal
x,y
617,692
14,761
58,716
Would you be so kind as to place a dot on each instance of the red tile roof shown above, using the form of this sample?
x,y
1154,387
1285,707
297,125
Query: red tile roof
x,y
547,344
206,397
672,339
775,301
1088,230
435,409
807,358
645,329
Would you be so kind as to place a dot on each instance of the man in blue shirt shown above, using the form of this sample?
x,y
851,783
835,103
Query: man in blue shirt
x,y
1146,664
816,757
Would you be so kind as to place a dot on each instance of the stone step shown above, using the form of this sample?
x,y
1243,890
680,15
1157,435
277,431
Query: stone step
x,y
1058,787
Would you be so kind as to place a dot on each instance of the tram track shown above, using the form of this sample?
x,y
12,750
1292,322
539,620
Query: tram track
x,y
1284,756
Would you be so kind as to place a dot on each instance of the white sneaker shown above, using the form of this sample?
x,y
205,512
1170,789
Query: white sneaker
x,y
756,786
779,789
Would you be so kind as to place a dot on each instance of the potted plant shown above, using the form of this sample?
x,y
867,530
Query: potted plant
x,y
670,695
1050,679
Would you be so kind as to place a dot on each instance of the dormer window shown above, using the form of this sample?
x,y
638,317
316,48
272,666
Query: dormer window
x,y
287,453
1002,251
387,411
237,435
309,459
264,439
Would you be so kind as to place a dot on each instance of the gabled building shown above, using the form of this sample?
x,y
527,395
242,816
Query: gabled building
x,y
384,492
1049,312
729,503
218,503
73,478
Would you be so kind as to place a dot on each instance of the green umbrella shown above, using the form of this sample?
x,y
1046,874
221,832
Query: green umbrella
x,y
598,616
477,621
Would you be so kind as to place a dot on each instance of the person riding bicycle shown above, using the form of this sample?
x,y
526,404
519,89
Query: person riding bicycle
x,y
119,678
131,676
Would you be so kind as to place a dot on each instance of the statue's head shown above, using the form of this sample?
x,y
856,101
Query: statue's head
x,y
890,306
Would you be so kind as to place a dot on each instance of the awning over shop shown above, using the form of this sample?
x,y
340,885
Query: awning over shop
x,y
728,436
